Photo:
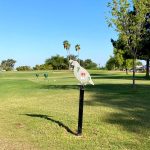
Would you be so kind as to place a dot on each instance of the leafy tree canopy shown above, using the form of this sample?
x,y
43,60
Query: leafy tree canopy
x,y
24,68
8,64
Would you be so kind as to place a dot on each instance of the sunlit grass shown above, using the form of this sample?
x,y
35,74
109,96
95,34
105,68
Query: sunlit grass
x,y
39,113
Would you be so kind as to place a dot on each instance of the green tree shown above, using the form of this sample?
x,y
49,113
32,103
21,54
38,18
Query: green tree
x,y
121,55
128,64
8,64
129,23
67,45
57,62
110,64
119,60
89,64
43,67
24,68
36,67
142,53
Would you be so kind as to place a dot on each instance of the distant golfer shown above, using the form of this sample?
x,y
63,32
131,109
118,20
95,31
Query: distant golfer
x,y
80,73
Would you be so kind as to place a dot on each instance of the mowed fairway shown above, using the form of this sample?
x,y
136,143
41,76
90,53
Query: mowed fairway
x,y
42,114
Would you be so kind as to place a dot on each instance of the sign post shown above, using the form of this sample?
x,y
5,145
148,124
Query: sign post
x,y
80,115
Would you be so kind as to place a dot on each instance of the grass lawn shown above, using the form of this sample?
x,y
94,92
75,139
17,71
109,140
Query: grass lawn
x,y
42,114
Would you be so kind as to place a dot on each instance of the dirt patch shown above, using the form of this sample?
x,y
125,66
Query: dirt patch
x,y
6,144
19,125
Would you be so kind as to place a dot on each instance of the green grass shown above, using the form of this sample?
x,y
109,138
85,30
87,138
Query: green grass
x,y
38,113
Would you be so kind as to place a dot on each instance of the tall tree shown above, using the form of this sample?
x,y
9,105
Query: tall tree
x,y
129,23
67,47
77,48
144,52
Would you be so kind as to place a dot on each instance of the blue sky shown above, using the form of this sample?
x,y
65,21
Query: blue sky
x,y
34,30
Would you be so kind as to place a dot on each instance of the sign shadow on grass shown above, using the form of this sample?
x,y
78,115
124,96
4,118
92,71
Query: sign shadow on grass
x,y
52,120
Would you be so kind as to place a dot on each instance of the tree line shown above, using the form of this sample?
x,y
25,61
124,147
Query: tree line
x,y
56,62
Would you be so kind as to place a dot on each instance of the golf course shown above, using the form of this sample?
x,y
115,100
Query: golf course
x,y
38,113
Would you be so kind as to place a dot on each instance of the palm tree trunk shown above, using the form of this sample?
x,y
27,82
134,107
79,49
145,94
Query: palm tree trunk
x,y
68,59
78,57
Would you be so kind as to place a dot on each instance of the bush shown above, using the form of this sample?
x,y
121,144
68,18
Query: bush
x,y
23,68
43,67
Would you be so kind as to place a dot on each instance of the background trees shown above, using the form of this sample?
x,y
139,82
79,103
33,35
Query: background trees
x,y
110,64
129,23
59,62
56,62
8,64
121,55
24,68
89,64
43,67
77,48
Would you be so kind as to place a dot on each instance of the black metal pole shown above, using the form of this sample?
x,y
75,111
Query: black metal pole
x,y
80,115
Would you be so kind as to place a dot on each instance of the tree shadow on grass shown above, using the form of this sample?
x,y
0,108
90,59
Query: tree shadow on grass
x,y
57,86
131,106
64,86
52,120
120,76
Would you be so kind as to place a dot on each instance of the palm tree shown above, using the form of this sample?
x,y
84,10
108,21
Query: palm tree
x,y
67,47
77,48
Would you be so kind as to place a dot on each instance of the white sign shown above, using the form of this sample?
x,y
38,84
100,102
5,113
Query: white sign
x,y
80,73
